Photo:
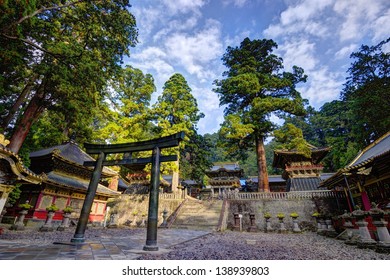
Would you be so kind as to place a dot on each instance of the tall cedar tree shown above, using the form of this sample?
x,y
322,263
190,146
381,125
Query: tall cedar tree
x,y
255,86
58,52
177,110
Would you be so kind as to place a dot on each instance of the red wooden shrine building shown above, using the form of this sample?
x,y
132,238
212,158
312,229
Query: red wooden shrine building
x,y
65,182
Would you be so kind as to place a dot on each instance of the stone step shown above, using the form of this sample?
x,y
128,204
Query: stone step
x,y
199,215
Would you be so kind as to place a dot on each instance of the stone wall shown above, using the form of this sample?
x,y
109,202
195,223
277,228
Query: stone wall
x,y
134,207
304,207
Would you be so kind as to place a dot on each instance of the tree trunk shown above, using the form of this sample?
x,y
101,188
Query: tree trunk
x,y
19,101
30,115
263,184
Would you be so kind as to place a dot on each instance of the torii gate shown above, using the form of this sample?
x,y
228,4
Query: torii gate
x,y
155,145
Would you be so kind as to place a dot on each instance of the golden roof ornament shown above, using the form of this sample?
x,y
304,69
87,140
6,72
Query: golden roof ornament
x,y
3,141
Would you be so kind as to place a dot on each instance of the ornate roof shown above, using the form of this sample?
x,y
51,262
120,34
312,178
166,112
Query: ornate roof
x,y
225,169
283,157
70,153
12,169
374,158
78,184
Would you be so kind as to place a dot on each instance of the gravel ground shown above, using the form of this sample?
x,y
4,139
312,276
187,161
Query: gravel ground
x,y
266,246
223,246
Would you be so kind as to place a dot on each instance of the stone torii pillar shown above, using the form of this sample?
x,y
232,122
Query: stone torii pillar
x,y
155,145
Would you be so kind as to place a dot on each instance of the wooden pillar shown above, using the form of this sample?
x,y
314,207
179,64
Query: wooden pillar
x,y
87,205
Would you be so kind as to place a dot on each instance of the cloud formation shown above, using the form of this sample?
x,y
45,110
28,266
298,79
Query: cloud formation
x,y
190,37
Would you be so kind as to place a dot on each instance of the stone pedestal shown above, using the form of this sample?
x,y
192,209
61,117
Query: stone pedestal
x,y
237,222
164,223
113,223
330,231
252,227
365,240
296,228
268,227
65,222
48,226
383,246
323,228
282,228
318,224
19,224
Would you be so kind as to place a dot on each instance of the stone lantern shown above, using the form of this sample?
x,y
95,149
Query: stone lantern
x,y
365,240
381,229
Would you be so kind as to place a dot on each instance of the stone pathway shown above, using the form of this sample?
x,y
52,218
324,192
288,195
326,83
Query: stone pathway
x,y
101,244
178,244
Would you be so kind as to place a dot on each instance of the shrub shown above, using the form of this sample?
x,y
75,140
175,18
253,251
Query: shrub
x,y
52,208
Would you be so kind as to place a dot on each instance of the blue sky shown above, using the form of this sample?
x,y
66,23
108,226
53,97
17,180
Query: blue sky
x,y
190,36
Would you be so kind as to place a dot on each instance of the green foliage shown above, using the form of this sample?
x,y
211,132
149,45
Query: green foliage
x,y
62,53
25,206
177,110
254,87
280,215
294,215
367,92
14,195
67,209
129,118
52,208
291,138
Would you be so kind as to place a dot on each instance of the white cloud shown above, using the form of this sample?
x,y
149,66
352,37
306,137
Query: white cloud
x,y
346,51
305,11
153,60
357,15
323,86
184,6
194,52
300,53
304,18
381,27
236,3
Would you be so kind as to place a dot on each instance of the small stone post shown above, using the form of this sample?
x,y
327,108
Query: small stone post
x,y
268,227
349,227
19,224
330,231
65,221
365,240
236,221
383,246
48,226
164,223
113,223
253,227
282,228
296,227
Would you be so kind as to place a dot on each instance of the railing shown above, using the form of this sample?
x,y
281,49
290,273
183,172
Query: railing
x,y
172,196
284,195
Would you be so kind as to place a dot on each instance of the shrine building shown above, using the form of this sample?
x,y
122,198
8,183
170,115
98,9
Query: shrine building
x,y
300,172
224,176
367,178
64,182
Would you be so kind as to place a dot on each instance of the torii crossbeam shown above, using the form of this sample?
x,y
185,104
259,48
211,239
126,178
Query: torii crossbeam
x,y
103,150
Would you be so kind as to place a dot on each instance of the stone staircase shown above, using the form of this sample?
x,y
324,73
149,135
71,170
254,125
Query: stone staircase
x,y
197,214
